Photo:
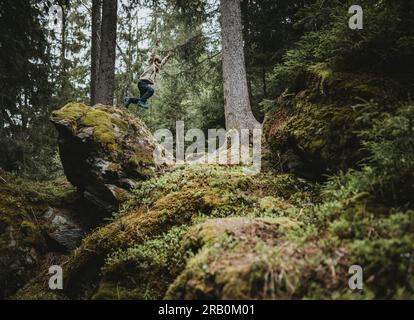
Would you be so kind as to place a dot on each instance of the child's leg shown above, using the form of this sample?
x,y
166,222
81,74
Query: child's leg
x,y
133,100
146,91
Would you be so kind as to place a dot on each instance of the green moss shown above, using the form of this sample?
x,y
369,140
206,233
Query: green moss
x,y
225,259
271,203
115,167
314,131
121,124
32,233
143,271
142,163
107,124
168,244
323,72
140,159
103,128
112,291
22,203
71,112
120,194
323,135
183,197
37,291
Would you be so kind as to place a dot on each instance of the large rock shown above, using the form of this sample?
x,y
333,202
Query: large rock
x,y
313,128
62,229
105,151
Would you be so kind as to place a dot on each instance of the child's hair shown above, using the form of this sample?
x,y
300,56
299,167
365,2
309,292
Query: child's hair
x,y
156,58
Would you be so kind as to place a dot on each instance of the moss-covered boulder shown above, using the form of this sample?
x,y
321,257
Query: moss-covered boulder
x,y
138,254
313,128
227,255
104,151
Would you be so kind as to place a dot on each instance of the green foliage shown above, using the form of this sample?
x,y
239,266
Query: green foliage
x,y
385,43
268,31
26,137
161,251
391,144
365,218
41,70
369,212
388,171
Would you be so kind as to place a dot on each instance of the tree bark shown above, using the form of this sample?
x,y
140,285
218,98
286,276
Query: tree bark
x,y
63,43
95,47
237,107
264,82
106,79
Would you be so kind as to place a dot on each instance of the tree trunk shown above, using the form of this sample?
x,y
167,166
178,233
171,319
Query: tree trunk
x,y
236,96
106,79
264,82
63,43
95,48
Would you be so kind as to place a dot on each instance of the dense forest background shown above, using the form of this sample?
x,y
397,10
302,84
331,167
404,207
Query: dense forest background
x,y
43,68
337,179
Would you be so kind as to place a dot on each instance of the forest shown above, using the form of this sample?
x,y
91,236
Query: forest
x,y
206,149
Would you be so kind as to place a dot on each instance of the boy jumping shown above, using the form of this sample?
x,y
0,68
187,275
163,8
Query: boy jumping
x,y
147,79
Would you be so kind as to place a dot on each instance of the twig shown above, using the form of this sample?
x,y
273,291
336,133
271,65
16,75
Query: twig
x,y
35,218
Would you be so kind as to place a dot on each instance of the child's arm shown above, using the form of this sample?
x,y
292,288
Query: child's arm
x,y
165,60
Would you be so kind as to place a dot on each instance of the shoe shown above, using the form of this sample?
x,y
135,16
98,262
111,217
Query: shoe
x,y
127,102
142,104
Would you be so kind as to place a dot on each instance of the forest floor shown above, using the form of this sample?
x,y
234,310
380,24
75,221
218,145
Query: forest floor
x,y
213,232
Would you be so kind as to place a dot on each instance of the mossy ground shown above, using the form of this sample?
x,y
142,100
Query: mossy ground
x,y
213,232
134,252
22,243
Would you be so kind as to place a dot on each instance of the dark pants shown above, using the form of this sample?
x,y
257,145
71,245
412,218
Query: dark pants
x,y
146,91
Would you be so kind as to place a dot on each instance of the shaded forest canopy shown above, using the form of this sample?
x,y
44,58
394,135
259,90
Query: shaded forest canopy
x,y
337,179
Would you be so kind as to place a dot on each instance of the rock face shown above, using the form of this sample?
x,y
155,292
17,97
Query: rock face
x,y
104,152
313,129
62,229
